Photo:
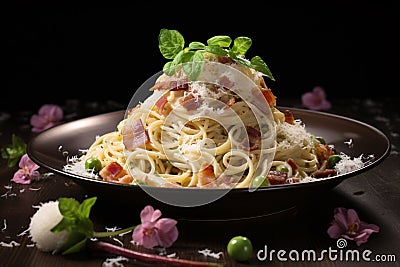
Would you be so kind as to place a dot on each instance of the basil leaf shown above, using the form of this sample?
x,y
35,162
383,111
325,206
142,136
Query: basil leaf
x,y
194,68
196,45
220,40
178,58
216,50
75,216
169,68
68,207
14,151
241,45
172,46
258,64
239,60
86,206
170,43
188,56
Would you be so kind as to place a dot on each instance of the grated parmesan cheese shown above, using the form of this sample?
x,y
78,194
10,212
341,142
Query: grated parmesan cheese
x,y
75,165
348,164
208,252
290,135
10,245
114,262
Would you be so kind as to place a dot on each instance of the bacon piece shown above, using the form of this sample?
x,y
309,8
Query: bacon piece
x,y
254,136
289,118
112,172
206,176
225,82
269,96
275,177
323,171
179,85
324,152
173,85
134,135
189,102
225,60
292,164
163,107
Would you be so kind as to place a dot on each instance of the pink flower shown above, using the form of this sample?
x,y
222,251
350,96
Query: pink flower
x,y
154,231
316,99
27,172
346,224
49,115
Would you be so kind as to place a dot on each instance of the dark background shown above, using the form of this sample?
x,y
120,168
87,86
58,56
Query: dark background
x,y
57,51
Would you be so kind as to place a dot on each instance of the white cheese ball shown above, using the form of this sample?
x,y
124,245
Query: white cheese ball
x,y
45,218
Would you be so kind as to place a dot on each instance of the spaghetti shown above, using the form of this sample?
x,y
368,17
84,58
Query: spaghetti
x,y
221,130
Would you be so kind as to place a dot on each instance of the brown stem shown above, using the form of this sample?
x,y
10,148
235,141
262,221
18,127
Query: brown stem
x,y
117,250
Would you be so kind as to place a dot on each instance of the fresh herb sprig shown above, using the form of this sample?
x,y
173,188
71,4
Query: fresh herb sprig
x,y
172,46
76,220
14,151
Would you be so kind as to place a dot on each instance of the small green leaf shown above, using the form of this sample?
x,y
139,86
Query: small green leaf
x,y
241,45
220,40
239,60
86,206
170,43
216,50
169,69
68,207
187,57
258,64
194,68
14,151
196,45
75,216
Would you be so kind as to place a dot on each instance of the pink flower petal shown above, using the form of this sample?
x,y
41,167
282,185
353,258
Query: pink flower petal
x,y
27,172
51,111
168,232
155,231
21,178
148,214
26,163
352,217
343,225
335,230
316,99
47,117
341,220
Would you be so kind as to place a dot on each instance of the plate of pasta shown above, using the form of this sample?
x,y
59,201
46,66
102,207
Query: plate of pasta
x,y
205,138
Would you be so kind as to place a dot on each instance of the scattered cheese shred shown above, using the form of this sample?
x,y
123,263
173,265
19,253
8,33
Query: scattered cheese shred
x,y
10,245
208,252
114,262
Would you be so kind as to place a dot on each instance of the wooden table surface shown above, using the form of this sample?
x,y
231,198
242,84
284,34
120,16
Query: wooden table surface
x,y
375,195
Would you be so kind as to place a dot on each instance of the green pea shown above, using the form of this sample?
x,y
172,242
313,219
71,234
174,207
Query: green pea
x,y
240,248
332,160
282,168
93,165
260,181
320,139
